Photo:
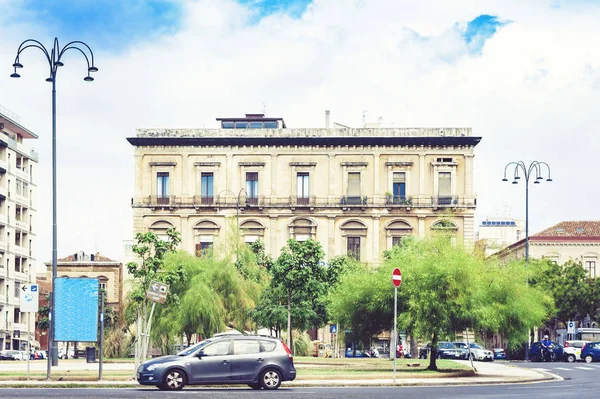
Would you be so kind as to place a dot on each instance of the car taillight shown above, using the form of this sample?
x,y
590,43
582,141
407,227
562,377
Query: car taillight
x,y
584,345
566,344
288,351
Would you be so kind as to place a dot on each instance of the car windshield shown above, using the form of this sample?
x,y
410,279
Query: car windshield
x,y
460,345
194,348
446,345
476,346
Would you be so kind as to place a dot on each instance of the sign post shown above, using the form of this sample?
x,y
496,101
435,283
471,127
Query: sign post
x,y
571,330
29,302
396,280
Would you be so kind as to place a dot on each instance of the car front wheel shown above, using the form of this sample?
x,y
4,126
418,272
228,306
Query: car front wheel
x,y
571,358
270,379
174,380
589,359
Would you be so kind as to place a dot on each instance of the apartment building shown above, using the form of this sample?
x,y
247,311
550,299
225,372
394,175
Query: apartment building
x,y
355,190
17,222
568,240
89,265
496,233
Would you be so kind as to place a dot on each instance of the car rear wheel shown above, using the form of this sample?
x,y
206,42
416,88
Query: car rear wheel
x,y
174,380
254,386
270,379
589,359
571,358
533,358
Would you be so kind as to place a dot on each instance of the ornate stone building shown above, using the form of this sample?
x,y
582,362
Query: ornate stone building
x,y
357,191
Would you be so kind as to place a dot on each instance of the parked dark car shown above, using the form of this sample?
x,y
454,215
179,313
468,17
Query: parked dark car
x,y
463,349
499,354
356,353
591,352
535,352
447,350
424,351
259,362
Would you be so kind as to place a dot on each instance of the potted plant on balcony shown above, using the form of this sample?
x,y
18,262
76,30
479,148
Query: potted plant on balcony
x,y
389,198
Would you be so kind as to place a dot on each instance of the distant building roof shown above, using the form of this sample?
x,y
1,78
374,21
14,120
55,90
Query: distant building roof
x,y
253,118
81,258
572,229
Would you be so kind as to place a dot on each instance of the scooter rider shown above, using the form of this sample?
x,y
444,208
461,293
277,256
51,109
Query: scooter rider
x,y
546,344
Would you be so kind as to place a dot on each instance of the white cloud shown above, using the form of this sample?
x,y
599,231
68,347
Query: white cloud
x,y
531,94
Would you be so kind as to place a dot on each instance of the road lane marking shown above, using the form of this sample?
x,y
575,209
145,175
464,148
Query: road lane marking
x,y
585,368
562,368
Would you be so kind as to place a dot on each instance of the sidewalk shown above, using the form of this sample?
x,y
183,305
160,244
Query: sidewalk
x,y
487,373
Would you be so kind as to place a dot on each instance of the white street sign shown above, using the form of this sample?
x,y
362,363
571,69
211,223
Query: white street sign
x,y
30,296
571,327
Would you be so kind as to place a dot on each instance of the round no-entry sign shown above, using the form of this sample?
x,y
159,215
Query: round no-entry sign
x,y
396,277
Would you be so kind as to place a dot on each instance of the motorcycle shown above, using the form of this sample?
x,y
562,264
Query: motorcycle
x,y
548,354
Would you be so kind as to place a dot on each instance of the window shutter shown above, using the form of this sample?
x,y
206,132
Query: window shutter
x,y
353,184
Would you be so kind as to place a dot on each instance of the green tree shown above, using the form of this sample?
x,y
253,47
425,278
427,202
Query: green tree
x,y
151,251
301,273
574,292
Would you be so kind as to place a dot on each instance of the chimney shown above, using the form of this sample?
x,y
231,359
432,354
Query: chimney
x,y
327,117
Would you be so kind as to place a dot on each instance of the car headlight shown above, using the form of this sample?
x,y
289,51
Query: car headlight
x,y
152,367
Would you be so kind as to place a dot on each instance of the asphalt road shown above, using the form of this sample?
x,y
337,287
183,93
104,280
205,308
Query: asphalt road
x,y
581,381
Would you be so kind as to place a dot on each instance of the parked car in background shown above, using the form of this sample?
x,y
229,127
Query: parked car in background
x,y
499,354
535,352
424,351
463,348
591,352
478,352
259,362
572,350
355,353
447,350
10,355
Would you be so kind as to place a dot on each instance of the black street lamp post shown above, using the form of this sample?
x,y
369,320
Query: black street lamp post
x,y
237,204
535,168
54,58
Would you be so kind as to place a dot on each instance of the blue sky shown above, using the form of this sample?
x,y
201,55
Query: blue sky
x,y
117,24
481,29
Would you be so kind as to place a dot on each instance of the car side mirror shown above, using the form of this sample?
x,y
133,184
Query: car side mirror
x,y
200,354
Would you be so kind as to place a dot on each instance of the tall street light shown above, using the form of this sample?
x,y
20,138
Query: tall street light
x,y
237,203
54,58
535,169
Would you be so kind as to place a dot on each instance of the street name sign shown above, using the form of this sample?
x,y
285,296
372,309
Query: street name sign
x,y
157,292
29,301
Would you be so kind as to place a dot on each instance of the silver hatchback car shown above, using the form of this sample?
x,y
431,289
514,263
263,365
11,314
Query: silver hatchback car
x,y
259,362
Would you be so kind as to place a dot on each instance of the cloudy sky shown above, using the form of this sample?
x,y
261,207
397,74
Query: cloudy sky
x,y
525,75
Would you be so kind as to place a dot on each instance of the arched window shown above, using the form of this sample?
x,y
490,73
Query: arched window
x,y
395,230
204,235
160,229
302,229
252,230
354,232
447,228
102,283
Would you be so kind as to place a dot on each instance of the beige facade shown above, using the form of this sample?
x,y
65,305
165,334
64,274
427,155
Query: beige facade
x,y
354,190
108,272
18,165
570,240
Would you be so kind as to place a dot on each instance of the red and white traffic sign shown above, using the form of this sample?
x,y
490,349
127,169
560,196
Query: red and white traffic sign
x,y
396,277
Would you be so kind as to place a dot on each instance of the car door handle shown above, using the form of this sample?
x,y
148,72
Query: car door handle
x,y
225,361
260,359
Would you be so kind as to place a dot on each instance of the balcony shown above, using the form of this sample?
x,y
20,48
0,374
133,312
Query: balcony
x,y
21,327
24,226
22,172
20,276
21,199
3,220
3,192
2,272
22,251
3,166
274,201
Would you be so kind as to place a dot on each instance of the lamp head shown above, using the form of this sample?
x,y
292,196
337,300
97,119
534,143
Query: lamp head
x,y
515,182
536,182
539,178
15,75
92,69
548,179
505,179
88,79
50,79
517,177
59,63
17,65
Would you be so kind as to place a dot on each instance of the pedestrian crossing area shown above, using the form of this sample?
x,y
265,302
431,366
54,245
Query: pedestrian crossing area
x,y
586,367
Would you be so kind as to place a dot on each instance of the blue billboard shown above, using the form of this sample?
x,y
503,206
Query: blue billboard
x,y
76,309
